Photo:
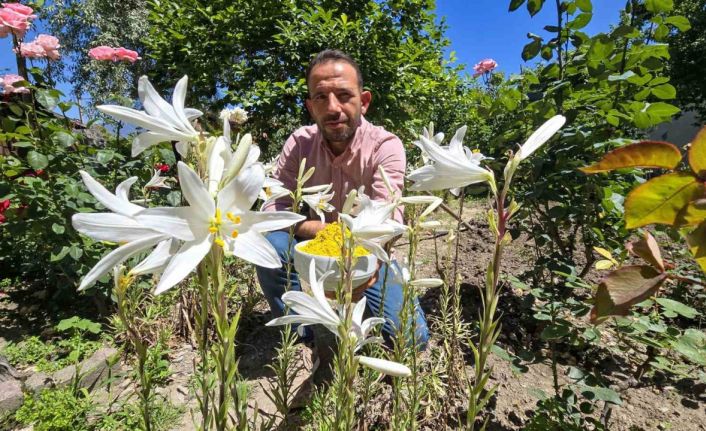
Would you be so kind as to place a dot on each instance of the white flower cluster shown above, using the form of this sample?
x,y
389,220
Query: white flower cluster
x,y
235,115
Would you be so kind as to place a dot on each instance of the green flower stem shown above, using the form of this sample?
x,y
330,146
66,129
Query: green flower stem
x,y
489,326
202,335
346,364
122,284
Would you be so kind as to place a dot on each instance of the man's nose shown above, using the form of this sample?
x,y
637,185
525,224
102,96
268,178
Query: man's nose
x,y
333,104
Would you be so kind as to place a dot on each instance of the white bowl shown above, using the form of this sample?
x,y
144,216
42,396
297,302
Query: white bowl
x,y
363,267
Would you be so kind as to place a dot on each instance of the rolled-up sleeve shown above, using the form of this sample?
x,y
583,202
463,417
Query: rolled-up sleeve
x,y
391,156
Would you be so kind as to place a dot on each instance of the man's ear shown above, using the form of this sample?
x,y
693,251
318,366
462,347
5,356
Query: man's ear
x,y
365,98
307,103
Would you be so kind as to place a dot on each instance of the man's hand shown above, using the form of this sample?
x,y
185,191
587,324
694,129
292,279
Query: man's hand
x,y
308,229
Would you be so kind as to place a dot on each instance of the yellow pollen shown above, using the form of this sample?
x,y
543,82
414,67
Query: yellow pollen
x,y
476,151
219,241
234,234
213,229
268,192
234,218
218,216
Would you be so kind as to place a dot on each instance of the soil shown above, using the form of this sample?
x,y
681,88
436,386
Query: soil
x,y
649,404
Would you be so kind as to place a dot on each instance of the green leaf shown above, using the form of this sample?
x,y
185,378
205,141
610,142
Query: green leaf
x,y
662,110
104,156
531,49
604,394
692,344
37,160
677,307
584,5
645,154
48,98
664,91
58,229
63,139
555,331
661,199
515,4
697,153
657,6
580,21
623,288
75,252
534,6
678,21
57,257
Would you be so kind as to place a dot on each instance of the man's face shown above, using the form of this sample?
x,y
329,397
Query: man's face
x,y
335,100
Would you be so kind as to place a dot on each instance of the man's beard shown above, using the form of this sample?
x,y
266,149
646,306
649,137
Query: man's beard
x,y
339,136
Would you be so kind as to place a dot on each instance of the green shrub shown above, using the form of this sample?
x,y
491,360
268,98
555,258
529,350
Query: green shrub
x,y
56,410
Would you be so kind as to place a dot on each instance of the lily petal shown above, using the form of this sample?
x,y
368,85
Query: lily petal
x,y
195,192
116,257
540,136
184,261
255,248
109,200
389,368
110,227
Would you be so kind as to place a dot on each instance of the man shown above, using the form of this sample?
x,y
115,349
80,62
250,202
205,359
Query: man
x,y
346,151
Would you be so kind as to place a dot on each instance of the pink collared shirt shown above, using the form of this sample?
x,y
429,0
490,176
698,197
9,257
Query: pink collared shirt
x,y
372,146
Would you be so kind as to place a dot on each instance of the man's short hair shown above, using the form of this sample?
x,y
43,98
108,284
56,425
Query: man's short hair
x,y
328,55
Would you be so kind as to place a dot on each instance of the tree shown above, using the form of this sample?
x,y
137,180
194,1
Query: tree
x,y
256,53
688,60
85,24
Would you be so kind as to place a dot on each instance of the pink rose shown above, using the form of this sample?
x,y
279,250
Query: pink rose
x,y
106,53
32,50
102,53
20,9
7,81
13,22
484,66
50,44
124,54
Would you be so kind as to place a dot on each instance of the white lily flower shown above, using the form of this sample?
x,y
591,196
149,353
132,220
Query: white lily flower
x,y
372,227
451,168
319,201
401,275
223,163
540,136
428,132
315,309
272,189
271,165
157,181
163,122
119,226
432,203
225,221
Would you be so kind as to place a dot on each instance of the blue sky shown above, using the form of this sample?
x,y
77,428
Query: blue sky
x,y
477,29
480,29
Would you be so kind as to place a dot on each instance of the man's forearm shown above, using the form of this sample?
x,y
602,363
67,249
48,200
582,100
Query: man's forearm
x,y
308,229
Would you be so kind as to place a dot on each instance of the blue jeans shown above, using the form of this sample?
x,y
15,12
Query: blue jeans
x,y
274,282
